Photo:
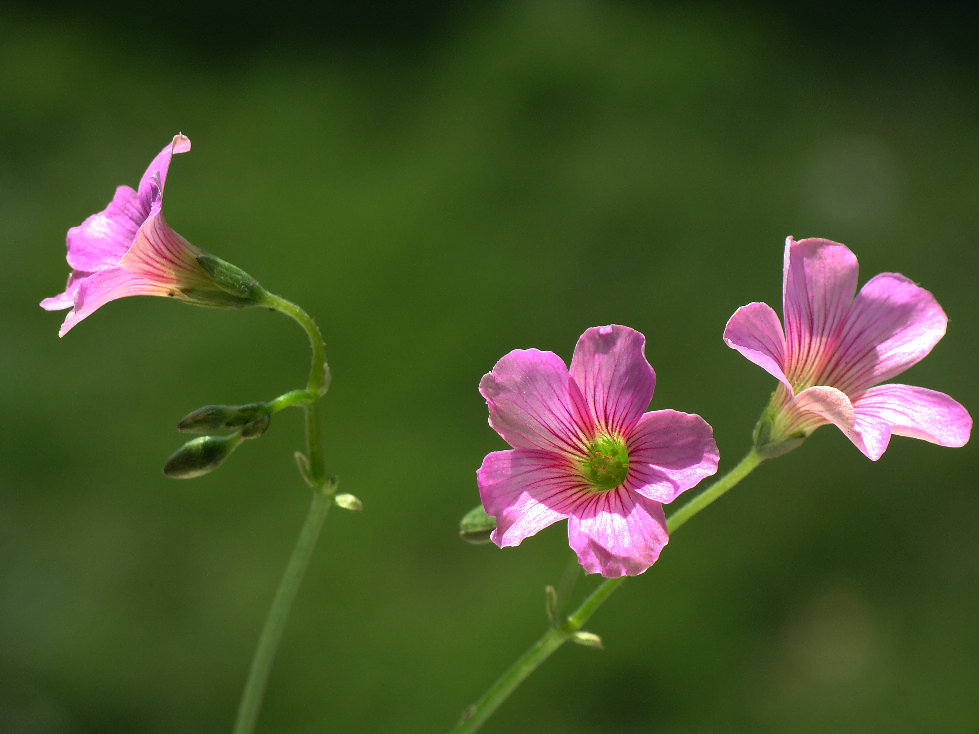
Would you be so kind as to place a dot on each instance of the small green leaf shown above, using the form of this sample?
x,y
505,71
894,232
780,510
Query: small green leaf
x,y
304,469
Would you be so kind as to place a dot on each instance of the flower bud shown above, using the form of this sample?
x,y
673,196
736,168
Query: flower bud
x,y
200,456
257,427
588,639
476,526
348,502
218,417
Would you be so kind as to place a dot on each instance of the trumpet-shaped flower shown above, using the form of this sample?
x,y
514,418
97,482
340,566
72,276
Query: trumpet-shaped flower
x,y
838,346
585,450
128,249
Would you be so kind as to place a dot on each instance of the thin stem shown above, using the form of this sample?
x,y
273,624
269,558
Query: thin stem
x,y
318,369
268,641
744,467
300,398
324,489
474,716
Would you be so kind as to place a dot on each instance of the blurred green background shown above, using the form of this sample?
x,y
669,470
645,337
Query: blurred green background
x,y
438,184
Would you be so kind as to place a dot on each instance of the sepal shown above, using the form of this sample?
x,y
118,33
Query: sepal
x,y
476,526
239,288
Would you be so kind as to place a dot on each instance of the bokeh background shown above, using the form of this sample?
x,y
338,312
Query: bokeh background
x,y
439,183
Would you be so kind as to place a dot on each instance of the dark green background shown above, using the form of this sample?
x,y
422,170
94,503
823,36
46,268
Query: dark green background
x,y
438,185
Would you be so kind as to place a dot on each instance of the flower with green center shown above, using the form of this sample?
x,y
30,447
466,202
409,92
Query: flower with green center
x,y
605,463
584,449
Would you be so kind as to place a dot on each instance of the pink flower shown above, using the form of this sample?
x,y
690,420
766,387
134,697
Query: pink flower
x,y
836,350
583,449
128,249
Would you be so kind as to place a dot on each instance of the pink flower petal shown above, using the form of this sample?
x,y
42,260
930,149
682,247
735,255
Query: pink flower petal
x,y
892,325
159,254
106,285
153,180
534,403
525,491
615,379
820,279
830,405
67,298
670,452
103,238
755,331
916,412
616,533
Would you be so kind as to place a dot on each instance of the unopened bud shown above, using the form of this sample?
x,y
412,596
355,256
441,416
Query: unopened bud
x,y
476,526
348,502
200,456
588,639
219,417
257,427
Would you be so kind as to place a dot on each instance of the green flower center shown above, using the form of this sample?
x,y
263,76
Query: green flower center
x,y
606,463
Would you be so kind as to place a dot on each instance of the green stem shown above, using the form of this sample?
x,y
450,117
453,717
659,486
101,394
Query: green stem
x,y
323,490
474,716
268,641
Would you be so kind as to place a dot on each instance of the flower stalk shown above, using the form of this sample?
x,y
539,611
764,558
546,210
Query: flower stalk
x,y
563,630
324,488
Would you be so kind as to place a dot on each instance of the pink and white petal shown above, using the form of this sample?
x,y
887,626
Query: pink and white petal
x,y
892,325
102,239
525,491
616,533
615,379
755,331
67,298
533,402
153,180
162,255
830,404
107,285
820,280
669,453
916,412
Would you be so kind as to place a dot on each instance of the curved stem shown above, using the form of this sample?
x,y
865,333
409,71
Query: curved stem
x,y
474,716
324,489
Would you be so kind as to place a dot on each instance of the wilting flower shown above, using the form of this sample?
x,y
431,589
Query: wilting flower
x,y
836,350
583,449
128,249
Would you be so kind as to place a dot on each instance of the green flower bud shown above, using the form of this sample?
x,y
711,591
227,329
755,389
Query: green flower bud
x,y
219,417
257,427
476,526
200,456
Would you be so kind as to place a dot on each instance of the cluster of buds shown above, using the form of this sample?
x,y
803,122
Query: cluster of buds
x,y
206,453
